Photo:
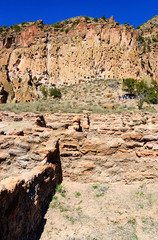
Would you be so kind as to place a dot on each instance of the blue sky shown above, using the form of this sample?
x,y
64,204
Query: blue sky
x,y
134,12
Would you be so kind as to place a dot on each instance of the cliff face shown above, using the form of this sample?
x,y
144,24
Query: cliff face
x,y
73,51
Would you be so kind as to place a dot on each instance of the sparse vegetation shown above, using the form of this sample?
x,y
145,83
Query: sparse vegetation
x,y
86,18
55,92
100,195
129,85
144,91
67,30
57,25
103,17
141,39
132,221
95,19
16,28
59,188
77,194
44,91
90,96
66,22
76,22
155,39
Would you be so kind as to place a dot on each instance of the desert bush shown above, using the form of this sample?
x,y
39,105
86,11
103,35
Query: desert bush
x,y
129,85
17,28
144,90
23,24
141,39
103,17
44,91
86,18
67,30
57,25
55,92
66,22
95,19
155,40
76,22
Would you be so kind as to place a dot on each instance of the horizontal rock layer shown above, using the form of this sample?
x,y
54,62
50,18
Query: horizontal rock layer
x,y
105,148
29,176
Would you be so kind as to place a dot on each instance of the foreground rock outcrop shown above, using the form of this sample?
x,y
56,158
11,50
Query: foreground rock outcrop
x,y
116,148
107,148
33,174
73,51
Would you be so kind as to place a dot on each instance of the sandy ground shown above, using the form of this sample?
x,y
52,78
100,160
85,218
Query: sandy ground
x,y
99,211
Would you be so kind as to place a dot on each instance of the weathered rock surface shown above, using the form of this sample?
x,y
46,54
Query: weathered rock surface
x,y
29,176
116,148
44,55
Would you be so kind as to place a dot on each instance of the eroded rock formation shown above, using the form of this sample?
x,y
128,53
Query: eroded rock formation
x,y
105,148
75,50
30,172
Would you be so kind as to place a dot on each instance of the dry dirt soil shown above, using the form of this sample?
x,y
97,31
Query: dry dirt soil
x,y
100,211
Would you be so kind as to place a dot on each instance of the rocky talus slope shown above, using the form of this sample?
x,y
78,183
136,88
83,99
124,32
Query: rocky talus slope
x,y
75,50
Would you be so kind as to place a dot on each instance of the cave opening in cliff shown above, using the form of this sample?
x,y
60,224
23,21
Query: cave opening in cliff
x,y
4,96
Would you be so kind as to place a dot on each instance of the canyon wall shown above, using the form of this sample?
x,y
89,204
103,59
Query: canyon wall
x,y
75,51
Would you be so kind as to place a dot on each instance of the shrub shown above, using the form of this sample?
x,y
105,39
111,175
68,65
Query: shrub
x,y
129,85
95,19
44,91
155,40
147,93
55,92
141,39
4,26
103,17
86,18
77,194
57,25
17,28
66,22
59,188
144,91
23,24
67,30
76,22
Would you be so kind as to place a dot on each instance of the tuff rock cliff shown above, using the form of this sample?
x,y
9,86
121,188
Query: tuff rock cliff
x,y
73,51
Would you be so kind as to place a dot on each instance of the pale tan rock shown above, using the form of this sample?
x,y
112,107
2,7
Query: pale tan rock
x,y
131,135
90,50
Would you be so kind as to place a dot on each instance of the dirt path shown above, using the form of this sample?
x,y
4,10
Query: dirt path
x,y
99,211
